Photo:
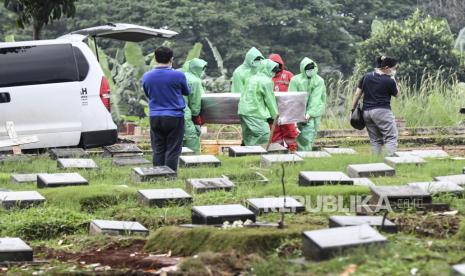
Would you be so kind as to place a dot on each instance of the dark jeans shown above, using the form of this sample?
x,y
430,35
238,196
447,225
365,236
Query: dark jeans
x,y
166,135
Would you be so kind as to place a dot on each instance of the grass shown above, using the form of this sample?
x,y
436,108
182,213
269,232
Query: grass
x,y
436,102
112,194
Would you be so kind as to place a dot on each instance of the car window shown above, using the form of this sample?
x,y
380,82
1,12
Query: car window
x,y
82,64
39,64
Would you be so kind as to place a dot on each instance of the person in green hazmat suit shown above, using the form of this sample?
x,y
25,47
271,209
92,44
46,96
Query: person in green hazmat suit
x,y
309,81
193,69
246,70
257,105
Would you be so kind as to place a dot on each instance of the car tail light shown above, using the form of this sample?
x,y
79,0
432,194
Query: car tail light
x,y
105,93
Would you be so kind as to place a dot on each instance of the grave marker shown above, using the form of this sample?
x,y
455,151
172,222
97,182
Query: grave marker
x,y
23,199
15,250
438,187
274,204
199,160
218,214
313,154
130,161
404,160
122,150
458,179
70,163
150,174
363,181
112,227
68,153
276,148
238,151
201,185
324,178
326,243
333,151
14,159
400,197
373,221
370,170
271,159
187,151
423,153
162,197
459,269
51,180
24,178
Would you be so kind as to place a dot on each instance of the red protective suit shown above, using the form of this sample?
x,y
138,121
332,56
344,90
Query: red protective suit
x,y
284,134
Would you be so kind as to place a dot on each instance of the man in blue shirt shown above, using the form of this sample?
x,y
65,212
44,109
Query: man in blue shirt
x,y
165,87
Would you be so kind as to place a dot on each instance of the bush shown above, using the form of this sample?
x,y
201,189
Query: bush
x,y
422,44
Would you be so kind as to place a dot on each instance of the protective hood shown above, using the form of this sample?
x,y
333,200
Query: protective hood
x,y
277,58
251,55
306,61
267,66
194,66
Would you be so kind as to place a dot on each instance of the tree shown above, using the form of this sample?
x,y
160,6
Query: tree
x,y
452,10
39,13
423,45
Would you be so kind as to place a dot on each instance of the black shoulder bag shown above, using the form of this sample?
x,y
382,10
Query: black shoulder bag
x,y
356,119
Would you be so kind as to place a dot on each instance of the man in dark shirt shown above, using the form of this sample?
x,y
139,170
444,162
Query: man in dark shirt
x,y
165,87
377,89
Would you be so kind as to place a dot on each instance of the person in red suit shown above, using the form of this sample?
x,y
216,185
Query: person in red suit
x,y
283,134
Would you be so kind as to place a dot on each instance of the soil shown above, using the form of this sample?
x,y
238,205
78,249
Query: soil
x,y
130,257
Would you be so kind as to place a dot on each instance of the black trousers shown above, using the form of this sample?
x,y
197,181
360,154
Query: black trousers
x,y
166,135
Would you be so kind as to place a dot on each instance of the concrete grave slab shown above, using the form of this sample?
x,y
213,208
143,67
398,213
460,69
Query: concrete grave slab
x,y
187,151
275,204
404,160
15,250
24,178
324,178
276,148
271,159
458,269
112,227
130,161
238,151
400,197
151,174
71,163
373,221
458,179
438,187
326,243
334,151
50,180
363,181
218,214
201,185
199,160
424,153
313,154
22,199
163,197
67,153
370,170
122,150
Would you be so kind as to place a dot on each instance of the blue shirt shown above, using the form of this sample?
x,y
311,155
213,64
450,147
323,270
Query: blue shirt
x,y
165,88
377,90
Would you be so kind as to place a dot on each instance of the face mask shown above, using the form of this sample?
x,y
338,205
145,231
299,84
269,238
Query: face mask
x,y
203,74
310,72
255,63
393,73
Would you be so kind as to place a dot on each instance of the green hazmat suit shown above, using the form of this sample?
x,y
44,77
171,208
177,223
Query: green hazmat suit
x,y
193,70
316,89
245,70
257,104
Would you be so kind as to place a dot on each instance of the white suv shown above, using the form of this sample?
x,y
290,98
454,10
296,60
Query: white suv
x,y
56,89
